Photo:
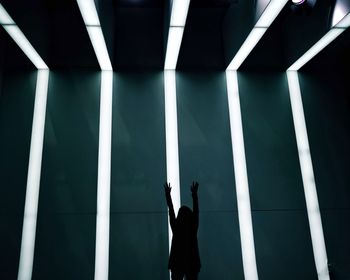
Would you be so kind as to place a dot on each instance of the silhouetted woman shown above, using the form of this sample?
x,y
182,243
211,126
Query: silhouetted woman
x,y
184,255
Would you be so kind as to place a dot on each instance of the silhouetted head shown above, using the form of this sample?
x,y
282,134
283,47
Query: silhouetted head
x,y
185,217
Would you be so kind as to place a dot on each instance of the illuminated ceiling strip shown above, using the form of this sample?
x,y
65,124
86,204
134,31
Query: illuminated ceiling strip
x,y
104,177
99,46
178,17
172,153
89,13
179,12
248,45
33,178
5,17
268,16
330,36
173,48
17,35
313,210
241,179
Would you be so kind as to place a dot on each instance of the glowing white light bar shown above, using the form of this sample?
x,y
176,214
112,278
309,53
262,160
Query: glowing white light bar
x,y
90,17
25,46
313,211
104,177
344,23
248,45
5,17
172,154
268,16
98,43
173,47
315,49
270,13
88,12
179,12
33,178
178,17
241,179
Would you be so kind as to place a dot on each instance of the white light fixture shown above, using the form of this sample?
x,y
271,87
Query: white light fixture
x,y
104,177
5,17
241,179
25,46
173,47
344,22
270,13
179,12
298,2
178,17
330,36
33,178
16,34
313,211
315,49
98,43
268,16
92,23
248,45
88,12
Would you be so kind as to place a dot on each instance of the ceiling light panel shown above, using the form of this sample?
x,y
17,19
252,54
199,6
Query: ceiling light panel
x,y
270,13
173,47
88,12
92,23
98,43
5,17
268,16
25,46
315,49
251,41
344,22
179,12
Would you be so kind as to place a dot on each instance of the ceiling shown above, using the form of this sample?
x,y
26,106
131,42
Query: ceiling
x,y
136,31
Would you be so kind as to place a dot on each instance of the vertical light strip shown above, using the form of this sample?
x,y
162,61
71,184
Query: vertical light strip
x,y
36,146
313,211
33,178
267,17
179,11
104,177
92,23
172,154
241,179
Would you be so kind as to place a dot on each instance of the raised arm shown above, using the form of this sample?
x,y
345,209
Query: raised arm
x,y
194,190
167,189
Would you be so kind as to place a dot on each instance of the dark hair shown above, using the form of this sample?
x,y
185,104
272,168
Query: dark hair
x,y
185,218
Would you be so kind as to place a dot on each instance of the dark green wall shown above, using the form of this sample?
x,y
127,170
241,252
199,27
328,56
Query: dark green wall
x,y
65,240
281,230
139,230
16,113
205,155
